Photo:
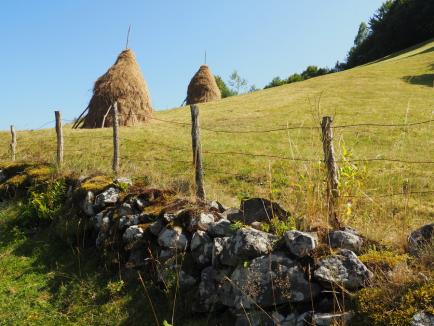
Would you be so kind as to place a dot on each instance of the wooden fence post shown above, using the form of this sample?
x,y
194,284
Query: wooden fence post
x,y
59,134
13,143
115,138
332,171
197,152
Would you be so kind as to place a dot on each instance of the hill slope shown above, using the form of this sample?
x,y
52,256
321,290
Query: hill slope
x,y
396,90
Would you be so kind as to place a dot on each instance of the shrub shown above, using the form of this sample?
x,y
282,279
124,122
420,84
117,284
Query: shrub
x,y
392,305
45,205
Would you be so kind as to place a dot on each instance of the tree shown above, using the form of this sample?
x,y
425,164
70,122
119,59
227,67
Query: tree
x,y
224,89
236,82
277,81
362,34
253,88
395,26
294,78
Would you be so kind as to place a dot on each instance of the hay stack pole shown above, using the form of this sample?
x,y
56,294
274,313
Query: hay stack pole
x,y
203,87
122,83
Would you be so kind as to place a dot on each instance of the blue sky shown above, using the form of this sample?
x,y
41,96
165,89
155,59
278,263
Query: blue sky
x,y
53,51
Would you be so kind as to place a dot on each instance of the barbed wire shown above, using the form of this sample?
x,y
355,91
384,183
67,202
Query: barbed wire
x,y
367,196
293,127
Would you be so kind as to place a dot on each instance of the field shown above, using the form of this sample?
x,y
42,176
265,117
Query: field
x,y
383,199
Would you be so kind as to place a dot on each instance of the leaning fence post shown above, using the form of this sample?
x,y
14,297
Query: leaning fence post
x,y
332,171
13,143
59,134
115,138
197,152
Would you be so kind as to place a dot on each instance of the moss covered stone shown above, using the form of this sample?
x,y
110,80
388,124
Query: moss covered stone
x,y
392,305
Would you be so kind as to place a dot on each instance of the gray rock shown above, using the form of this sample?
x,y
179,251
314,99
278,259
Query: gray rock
x,y
299,243
133,233
344,269
126,209
211,282
97,220
321,319
166,254
247,243
3,176
422,318
419,238
259,318
217,249
139,203
221,228
156,227
136,259
257,225
107,197
201,247
129,220
88,204
261,210
202,222
217,206
168,217
267,281
123,180
186,281
105,224
232,214
173,238
345,240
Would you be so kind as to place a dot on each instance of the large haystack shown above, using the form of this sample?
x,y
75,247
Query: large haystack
x,y
203,87
122,83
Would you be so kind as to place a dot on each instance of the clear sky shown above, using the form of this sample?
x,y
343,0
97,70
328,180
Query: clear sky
x,y
53,51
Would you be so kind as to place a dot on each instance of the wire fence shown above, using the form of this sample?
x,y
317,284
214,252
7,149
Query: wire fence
x,y
25,140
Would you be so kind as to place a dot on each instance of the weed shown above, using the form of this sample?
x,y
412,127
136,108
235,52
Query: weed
x,y
44,205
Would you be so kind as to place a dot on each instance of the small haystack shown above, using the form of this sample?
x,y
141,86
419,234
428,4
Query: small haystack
x,y
203,87
122,83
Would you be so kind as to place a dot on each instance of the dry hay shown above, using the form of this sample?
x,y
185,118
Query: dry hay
x,y
123,83
203,87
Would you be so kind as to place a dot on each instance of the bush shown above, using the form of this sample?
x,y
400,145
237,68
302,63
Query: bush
x,y
393,305
44,205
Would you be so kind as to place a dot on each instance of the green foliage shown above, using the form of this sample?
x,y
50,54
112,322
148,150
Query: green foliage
x,y
224,89
351,177
393,305
309,72
236,82
279,227
44,205
362,34
115,287
396,25
236,225
384,260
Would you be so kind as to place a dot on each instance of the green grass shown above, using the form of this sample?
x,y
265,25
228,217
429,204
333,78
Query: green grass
x,y
44,281
395,90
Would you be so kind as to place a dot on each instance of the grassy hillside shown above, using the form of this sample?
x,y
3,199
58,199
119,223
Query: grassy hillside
x,y
396,90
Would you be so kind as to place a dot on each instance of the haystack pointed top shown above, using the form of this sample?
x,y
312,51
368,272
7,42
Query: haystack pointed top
x,y
122,83
203,87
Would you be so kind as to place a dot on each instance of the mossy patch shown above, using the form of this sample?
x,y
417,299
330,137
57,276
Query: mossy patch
x,y
96,184
14,185
40,173
10,169
384,260
393,305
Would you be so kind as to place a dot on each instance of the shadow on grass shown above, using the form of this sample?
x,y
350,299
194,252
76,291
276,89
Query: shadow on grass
x,y
78,279
424,80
